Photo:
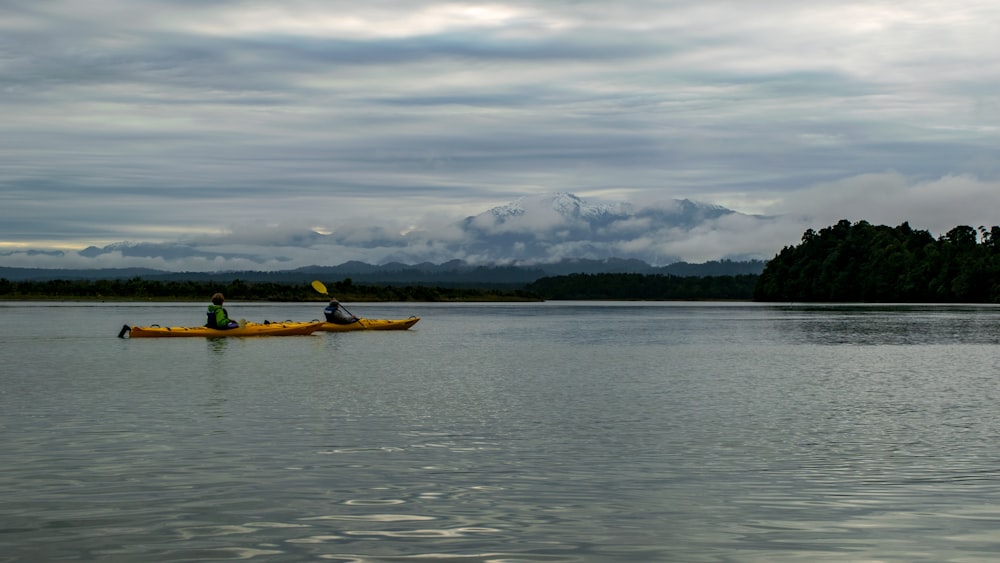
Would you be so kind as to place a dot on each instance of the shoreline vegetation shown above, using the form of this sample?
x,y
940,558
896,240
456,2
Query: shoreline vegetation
x,y
613,287
865,263
843,263
137,289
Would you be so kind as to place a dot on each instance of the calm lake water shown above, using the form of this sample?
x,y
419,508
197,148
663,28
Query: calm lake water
x,y
542,432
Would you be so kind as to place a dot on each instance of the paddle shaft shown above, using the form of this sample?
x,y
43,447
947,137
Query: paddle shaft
x,y
339,304
319,287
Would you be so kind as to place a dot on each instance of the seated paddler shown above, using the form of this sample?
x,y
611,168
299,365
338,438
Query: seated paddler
x,y
336,314
217,316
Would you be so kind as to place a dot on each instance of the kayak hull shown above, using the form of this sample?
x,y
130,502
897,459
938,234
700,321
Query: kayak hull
x,y
251,329
370,324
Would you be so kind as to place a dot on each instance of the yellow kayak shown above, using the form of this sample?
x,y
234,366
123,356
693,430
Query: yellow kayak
x,y
250,329
370,324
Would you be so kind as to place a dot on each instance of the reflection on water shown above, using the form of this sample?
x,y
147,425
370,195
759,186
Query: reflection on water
x,y
530,432
893,324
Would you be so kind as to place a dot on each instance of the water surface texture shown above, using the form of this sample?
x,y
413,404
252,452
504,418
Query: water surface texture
x,y
542,432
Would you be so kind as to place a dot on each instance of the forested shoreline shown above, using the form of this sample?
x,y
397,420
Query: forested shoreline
x,y
139,289
574,286
846,262
861,262
645,287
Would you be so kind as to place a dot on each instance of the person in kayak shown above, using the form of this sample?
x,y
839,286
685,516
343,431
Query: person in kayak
x,y
217,316
337,315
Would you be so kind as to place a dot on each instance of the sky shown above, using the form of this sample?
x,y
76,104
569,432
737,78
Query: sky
x,y
249,125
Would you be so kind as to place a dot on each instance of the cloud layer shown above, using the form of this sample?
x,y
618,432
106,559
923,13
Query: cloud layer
x,y
248,125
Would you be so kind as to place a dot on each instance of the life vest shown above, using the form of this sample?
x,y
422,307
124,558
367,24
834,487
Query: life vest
x,y
217,317
336,315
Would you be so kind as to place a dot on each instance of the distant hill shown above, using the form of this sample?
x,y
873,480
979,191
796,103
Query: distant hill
x,y
544,229
46,274
541,226
454,273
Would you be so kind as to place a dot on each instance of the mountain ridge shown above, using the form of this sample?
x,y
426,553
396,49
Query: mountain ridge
x,y
454,272
535,229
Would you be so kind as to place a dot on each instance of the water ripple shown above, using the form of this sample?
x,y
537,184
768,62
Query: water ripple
x,y
604,434
373,517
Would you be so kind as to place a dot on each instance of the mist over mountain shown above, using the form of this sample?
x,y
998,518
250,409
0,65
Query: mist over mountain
x,y
455,273
559,226
543,229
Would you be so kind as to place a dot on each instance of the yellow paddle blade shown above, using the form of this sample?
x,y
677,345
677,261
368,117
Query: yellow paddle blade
x,y
318,286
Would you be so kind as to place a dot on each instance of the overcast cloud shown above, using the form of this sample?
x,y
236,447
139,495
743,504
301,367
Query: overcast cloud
x,y
245,126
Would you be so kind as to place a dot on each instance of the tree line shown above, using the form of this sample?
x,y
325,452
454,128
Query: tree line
x,y
846,262
861,262
565,287
644,287
239,290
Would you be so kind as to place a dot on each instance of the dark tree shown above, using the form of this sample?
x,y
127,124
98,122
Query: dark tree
x,y
866,263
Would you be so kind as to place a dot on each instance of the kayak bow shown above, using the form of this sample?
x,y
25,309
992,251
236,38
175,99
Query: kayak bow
x,y
370,324
251,329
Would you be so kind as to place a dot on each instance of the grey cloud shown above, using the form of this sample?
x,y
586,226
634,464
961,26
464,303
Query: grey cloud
x,y
177,121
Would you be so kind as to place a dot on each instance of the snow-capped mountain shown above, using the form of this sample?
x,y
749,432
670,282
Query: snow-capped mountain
x,y
569,208
564,204
562,225
534,229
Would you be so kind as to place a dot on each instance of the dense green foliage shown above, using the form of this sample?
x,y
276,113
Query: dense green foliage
x,y
574,286
846,262
644,286
861,262
238,290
